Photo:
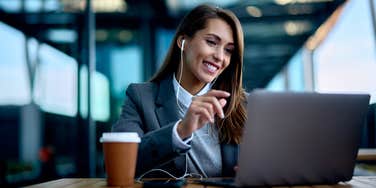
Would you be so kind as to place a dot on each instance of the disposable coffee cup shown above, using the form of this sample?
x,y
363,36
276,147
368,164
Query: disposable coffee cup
x,y
120,156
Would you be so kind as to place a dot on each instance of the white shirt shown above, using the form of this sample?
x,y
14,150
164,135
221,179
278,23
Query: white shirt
x,y
184,98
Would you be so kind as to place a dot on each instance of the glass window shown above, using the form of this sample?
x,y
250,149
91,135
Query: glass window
x,y
346,60
100,90
30,5
56,82
55,79
277,83
291,77
164,38
295,75
126,68
11,6
14,81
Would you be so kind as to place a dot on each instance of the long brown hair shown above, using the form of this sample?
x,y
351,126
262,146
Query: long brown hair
x,y
230,80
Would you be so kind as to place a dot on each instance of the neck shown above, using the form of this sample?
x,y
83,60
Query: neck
x,y
190,83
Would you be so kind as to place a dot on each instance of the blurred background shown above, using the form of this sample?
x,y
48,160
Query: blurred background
x,y
65,65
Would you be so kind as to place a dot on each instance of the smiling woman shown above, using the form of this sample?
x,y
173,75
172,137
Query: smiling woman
x,y
190,115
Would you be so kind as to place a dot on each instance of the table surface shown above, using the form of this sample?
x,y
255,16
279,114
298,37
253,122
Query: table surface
x,y
356,182
365,154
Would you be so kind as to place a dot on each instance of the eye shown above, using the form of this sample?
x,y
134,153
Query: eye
x,y
211,42
229,51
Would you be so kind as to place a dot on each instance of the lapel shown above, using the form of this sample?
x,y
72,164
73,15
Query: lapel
x,y
166,110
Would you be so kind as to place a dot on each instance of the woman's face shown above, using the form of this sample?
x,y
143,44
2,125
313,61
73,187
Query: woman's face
x,y
208,52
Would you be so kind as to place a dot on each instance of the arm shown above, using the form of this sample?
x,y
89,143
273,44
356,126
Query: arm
x,y
156,146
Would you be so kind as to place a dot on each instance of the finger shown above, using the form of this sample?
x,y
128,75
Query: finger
x,y
202,112
207,106
223,102
218,93
216,105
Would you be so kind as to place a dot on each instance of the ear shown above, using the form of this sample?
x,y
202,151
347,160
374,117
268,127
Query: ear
x,y
179,41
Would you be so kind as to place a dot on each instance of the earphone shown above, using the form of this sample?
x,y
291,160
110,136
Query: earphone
x,y
182,44
181,73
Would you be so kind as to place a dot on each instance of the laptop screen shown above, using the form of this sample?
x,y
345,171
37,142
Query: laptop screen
x,y
300,138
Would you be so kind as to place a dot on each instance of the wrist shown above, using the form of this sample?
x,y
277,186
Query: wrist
x,y
183,134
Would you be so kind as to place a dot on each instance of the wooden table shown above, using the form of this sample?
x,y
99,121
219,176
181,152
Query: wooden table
x,y
356,182
366,155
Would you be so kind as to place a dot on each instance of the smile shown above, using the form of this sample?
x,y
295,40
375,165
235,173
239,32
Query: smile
x,y
210,67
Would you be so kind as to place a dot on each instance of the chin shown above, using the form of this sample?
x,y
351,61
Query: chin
x,y
207,79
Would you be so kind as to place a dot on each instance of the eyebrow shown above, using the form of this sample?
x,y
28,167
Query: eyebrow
x,y
217,37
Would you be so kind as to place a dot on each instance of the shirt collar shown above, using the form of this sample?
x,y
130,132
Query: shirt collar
x,y
184,96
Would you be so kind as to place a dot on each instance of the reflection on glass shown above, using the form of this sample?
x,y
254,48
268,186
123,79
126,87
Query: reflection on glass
x,y
100,90
277,83
56,82
346,60
126,68
164,39
295,75
14,81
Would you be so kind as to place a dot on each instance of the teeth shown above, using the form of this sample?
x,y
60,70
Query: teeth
x,y
211,67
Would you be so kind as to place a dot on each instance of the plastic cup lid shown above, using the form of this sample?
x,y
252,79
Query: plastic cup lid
x,y
120,137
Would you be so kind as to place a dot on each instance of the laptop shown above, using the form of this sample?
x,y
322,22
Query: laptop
x,y
299,139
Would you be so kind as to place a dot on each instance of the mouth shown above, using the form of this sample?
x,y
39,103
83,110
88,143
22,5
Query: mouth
x,y
211,67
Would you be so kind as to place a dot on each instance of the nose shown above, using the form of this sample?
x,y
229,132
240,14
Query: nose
x,y
219,55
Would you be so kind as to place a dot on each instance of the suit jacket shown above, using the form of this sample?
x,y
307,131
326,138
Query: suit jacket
x,y
150,110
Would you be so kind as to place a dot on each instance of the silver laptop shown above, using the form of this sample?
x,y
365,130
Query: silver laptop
x,y
300,138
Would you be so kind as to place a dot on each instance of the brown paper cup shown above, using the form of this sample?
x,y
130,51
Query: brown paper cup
x,y
120,155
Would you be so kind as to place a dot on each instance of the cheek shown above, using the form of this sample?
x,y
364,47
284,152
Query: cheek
x,y
227,63
193,55
190,56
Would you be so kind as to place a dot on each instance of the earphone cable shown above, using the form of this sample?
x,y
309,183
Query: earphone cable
x,y
139,179
180,76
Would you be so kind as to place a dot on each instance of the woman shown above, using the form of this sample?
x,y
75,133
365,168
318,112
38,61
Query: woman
x,y
190,114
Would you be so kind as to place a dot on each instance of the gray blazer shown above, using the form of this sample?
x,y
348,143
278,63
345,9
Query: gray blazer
x,y
150,110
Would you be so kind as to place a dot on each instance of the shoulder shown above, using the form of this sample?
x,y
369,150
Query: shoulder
x,y
153,90
142,87
151,86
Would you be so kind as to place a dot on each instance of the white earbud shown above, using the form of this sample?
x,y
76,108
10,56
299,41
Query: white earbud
x,y
182,44
181,73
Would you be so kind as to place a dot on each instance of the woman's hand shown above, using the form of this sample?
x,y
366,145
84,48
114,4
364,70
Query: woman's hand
x,y
201,111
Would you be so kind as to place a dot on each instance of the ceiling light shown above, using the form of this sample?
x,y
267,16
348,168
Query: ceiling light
x,y
101,35
284,2
296,27
294,10
98,5
109,6
62,35
254,11
125,36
